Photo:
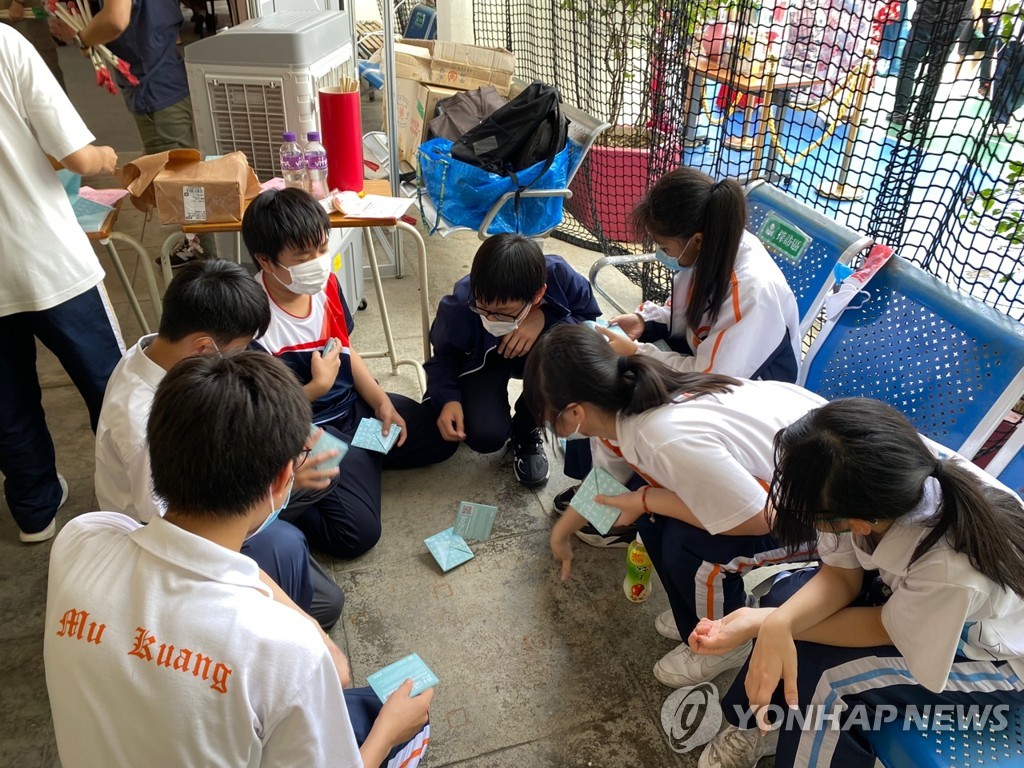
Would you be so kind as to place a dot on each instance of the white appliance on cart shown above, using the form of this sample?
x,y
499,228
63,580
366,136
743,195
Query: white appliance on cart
x,y
254,81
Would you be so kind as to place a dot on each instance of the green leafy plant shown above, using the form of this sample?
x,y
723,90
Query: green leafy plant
x,y
999,210
626,43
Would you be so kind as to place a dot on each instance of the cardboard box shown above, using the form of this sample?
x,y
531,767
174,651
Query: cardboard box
x,y
454,65
417,104
410,119
426,104
187,190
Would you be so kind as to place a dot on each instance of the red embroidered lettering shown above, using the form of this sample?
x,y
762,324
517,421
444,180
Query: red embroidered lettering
x,y
142,642
186,659
181,663
203,664
163,656
220,678
73,625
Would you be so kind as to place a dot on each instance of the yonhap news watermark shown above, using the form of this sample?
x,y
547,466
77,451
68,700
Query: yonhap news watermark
x,y
692,716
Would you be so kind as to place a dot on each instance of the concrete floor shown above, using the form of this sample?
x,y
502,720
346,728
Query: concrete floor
x,y
533,672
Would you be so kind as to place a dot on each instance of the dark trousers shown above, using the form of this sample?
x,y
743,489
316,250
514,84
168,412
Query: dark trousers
x,y
921,48
282,553
488,420
703,573
842,678
81,333
363,708
346,522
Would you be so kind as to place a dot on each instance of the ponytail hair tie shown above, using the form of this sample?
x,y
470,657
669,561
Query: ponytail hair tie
x,y
623,364
937,469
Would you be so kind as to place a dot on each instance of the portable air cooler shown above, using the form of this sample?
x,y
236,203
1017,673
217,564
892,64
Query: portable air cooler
x,y
254,81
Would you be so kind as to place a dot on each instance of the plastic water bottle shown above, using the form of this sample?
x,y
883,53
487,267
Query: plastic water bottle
x,y
293,163
316,166
637,584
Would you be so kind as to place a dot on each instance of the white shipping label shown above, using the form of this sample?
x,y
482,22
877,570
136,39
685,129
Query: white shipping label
x,y
195,203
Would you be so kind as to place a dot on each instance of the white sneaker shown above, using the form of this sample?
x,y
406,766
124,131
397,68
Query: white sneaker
x,y
738,748
49,531
682,666
666,626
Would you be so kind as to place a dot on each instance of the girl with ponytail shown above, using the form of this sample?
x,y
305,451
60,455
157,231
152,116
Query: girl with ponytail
x,y
731,310
942,623
702,444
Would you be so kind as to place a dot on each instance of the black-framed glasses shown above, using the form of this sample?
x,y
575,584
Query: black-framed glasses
x,y
301,458
500,317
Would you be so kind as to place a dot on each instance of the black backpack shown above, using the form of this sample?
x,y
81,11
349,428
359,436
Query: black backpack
x,y
528,130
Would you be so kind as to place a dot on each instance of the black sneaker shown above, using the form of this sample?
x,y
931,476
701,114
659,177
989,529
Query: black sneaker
x,y
897,118
529,460
562,501
618,537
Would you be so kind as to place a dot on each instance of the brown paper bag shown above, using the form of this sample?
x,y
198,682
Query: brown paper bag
x,y
187,190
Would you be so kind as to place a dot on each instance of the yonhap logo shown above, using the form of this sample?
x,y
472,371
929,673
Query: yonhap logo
x,y
691,716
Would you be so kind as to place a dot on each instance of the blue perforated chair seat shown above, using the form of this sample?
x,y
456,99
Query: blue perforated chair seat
x,y
949,363
830,242
898,748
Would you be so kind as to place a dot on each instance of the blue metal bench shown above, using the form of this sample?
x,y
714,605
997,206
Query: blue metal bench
x,y
948,362
810,276
898,748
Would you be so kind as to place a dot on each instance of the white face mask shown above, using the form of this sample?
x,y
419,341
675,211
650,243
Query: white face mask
x,y
498,328
309,277
576,434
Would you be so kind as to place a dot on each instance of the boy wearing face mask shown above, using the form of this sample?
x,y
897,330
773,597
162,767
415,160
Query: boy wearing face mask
x,y
210,307
286,233
169,628
481,336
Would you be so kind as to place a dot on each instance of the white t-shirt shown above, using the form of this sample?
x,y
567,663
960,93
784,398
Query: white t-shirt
x,y
122,475
714,452
757,311
941,596
45,257
163,648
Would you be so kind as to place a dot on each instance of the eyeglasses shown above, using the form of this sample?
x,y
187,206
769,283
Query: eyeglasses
x,y
301,458
500,317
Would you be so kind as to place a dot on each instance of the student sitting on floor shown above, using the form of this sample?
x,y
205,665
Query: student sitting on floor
x,y
482,336
286,233
730,311
702,444
893,514
163,645
210,307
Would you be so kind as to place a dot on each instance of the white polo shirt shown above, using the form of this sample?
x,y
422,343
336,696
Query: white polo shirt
x,y
163,648
714,452
756,313
122,455
941,596
45,257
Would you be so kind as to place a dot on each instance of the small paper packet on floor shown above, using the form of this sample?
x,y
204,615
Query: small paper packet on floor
x,y
598,483
474,521
370,435
386,681
449,549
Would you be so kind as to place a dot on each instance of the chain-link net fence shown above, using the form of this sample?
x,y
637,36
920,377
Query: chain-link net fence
x,y
895,118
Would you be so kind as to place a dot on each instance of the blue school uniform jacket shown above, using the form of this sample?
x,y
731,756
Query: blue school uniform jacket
x,y
461,344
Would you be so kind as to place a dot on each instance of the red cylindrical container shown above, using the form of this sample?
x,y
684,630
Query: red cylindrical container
x,y
341,131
